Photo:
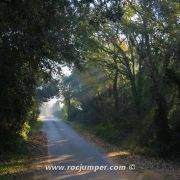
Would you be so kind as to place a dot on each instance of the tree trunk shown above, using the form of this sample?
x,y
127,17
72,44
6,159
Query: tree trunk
x,y
135,95
115,92
161,120
68,103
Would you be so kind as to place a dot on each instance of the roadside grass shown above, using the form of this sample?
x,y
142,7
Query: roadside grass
x,y
36,126
18,160
148,166
123,147
110,149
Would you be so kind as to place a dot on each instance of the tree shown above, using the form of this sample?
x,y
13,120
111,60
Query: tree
x,y
135,46
33,35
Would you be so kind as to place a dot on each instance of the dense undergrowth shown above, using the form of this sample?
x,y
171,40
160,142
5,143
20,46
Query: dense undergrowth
x,y
16,159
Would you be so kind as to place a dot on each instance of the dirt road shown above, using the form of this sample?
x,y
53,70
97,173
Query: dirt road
x,y
67,148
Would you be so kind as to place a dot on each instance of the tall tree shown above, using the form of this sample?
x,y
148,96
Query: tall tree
x,y
33,35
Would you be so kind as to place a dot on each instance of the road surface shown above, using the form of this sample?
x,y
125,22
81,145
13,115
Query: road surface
x,y
67,148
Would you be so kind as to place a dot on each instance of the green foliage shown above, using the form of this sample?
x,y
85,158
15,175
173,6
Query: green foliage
x,y
47,90
16,161
34,37
129,89
108,132
25,131
127,84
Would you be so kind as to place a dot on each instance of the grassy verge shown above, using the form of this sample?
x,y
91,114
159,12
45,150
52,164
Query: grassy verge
x,y
92,137
17,161
147,166
110,139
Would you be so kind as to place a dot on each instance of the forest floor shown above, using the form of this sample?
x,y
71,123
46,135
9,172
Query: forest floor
x,y
146,166
22,165
30,164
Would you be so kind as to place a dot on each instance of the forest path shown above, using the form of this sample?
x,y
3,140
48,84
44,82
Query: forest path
x,y
67,148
